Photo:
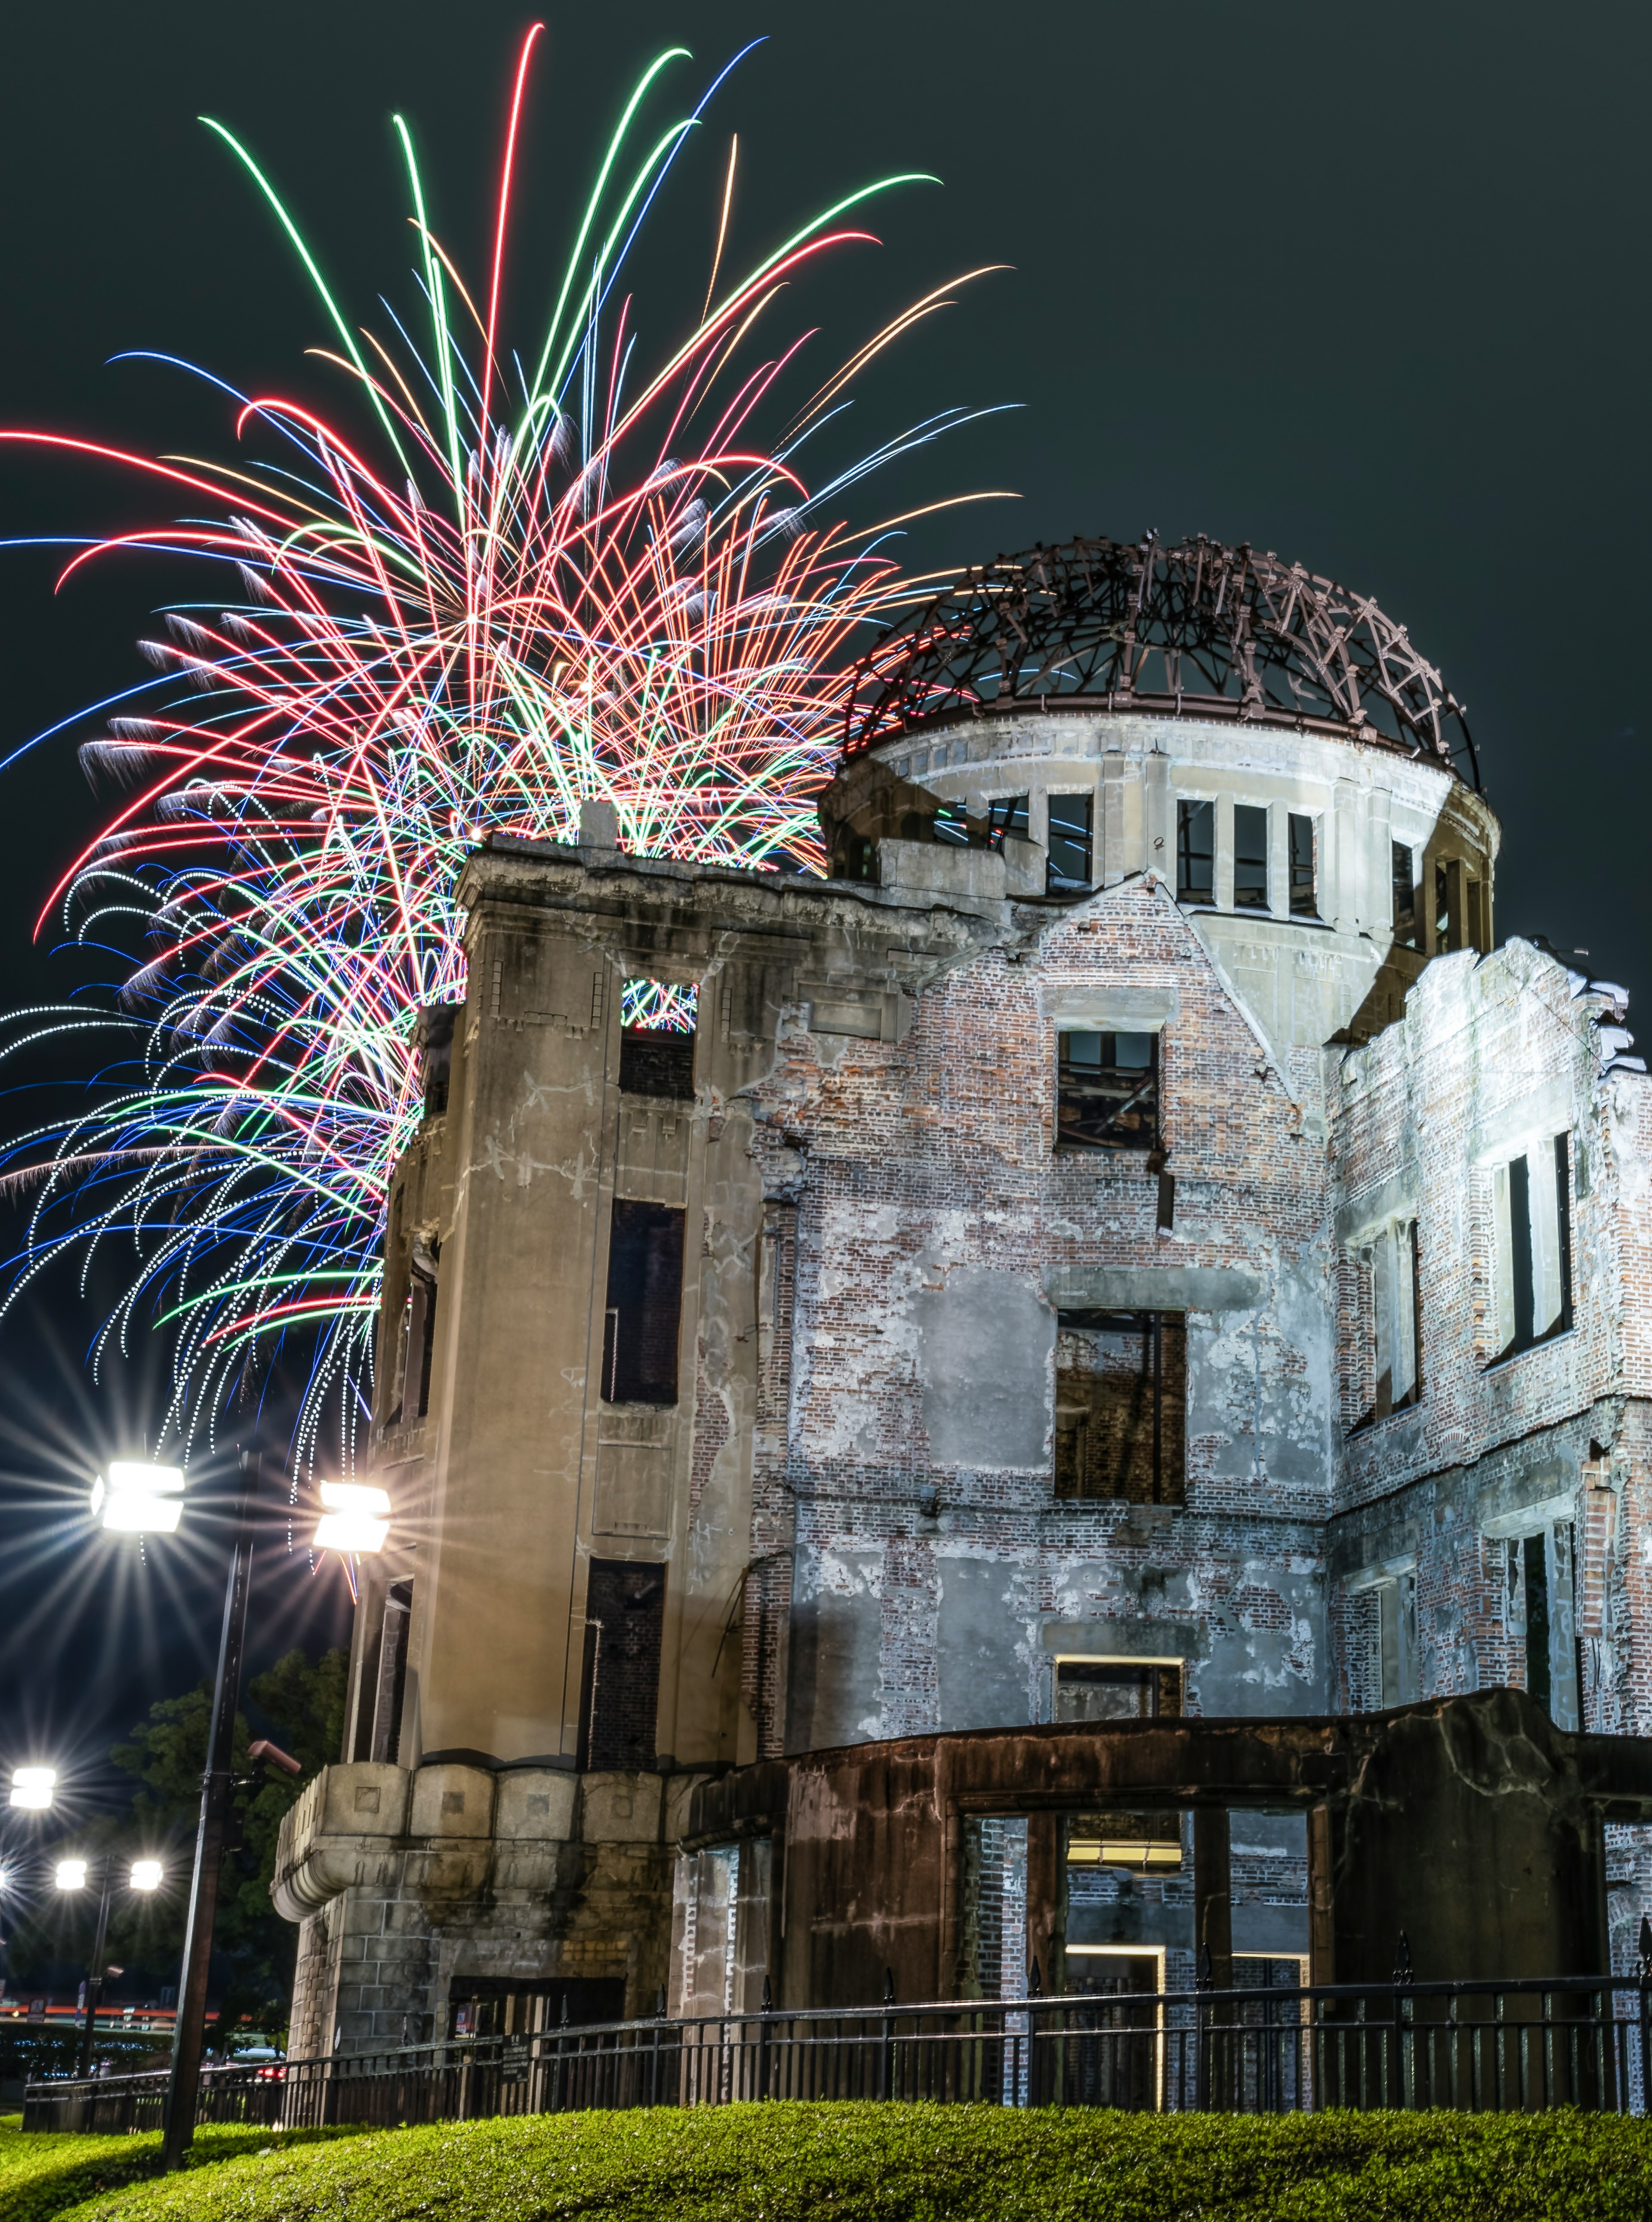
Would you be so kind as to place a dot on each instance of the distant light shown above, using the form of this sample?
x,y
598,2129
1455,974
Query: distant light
x,y
356,1519
137,1499
146,1874
32,1788
72,1874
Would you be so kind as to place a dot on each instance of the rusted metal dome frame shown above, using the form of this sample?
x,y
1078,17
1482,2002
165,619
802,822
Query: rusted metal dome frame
x,y
1200,629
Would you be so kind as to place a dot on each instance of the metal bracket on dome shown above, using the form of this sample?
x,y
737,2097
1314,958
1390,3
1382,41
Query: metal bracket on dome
x,y
1197,630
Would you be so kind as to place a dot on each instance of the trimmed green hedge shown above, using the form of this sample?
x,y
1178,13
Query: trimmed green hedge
x,y
43,2174
871,2164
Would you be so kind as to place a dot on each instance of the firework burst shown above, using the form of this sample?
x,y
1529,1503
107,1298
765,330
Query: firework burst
x,y
532,583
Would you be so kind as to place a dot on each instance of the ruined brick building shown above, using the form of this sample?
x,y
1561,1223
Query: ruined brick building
x,y
1126,1252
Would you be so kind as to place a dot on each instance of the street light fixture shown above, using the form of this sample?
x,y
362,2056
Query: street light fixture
x,y
34,1787
136,1499
71,1875
356,1519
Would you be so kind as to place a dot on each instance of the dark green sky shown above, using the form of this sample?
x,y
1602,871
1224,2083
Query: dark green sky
x,y
1366,287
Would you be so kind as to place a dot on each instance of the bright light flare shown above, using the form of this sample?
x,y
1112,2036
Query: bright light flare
x,y
33,1788
356,1520
146,1874
72,1874
138,1499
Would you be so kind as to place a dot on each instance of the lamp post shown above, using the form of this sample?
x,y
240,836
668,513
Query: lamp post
x,y
146,1875
148,1499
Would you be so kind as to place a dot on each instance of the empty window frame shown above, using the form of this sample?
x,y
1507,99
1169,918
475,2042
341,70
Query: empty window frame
x,y
1303,866
1403,870
390,1682
1531,1240
1008,816
619,1700
1395,1375
1121,1406
1120,1690
1383,1668
1196,852
950,825
645,1303
1107,1089
416,1338
658,1023
1068,870
1542,1615
1249,856
1457,921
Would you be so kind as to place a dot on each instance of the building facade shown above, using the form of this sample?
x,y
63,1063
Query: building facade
x,y
1127,1247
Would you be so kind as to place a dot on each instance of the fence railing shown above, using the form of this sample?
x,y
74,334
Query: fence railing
x,y
1569,2041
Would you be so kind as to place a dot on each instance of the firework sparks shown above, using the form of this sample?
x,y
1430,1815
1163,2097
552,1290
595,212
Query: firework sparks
x,y
604,580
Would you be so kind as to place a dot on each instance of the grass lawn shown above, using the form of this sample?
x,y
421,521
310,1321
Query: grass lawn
x,y
865,2163
41,2175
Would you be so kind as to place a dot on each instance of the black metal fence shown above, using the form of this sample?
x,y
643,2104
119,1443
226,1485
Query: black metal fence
x,y
1571,2041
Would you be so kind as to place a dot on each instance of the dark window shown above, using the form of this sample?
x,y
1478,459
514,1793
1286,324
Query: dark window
x,y
518,2005
1196,852
625,1610
657,1062
1304,887
951,827
1107,1090
390,1681
1535,1570
1404,896
1010,816
854,858
1068,868
1120,1690
1120,1400
1538,1233
1249,857
645,1303
416,1355
1442,907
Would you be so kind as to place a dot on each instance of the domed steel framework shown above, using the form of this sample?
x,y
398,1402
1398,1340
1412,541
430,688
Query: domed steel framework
x,y
1197,629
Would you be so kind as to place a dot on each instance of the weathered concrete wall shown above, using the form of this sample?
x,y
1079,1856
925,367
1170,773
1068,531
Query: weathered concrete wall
x,y
1472,1823
408,1881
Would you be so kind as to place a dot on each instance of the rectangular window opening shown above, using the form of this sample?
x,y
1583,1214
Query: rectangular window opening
x,y
1107,1089
1009,818
1067,868
1122,1690
1442,907
1304,884
1249,856
619,1699
1405,887
657,1021
1121,1406
390,1684
1196,852
1532,1239
1534,1556
643,1311
950,826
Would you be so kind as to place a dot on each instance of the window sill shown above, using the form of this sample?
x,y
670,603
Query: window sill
x,y
1316,924
1505,1358
1371,1421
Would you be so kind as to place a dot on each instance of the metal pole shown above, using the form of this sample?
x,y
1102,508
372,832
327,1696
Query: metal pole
x,y
95,1967
183,2087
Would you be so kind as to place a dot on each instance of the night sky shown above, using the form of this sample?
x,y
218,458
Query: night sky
x,y
1365,286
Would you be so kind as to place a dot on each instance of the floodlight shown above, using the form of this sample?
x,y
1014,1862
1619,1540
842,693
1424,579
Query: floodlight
x,y
146,1874
356,1520
32,1788
138,1499
72,1874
